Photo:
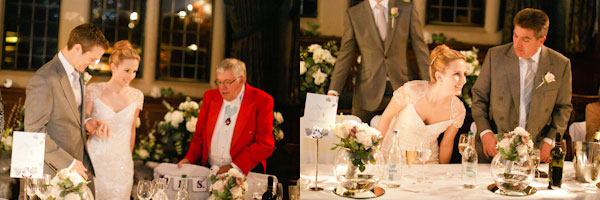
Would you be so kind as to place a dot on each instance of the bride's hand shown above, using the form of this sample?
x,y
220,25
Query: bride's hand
x,y
97,128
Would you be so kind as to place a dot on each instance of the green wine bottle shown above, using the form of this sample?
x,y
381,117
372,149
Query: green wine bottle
x,y
555,170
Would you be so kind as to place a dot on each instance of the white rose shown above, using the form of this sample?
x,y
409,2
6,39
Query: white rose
x,y
504,143
235,173
364,138
373,131
63,174
87,77
279,135
236,192
340,131
313,47
318,56
470,69
475,62
143,153
168,117
155,92
218,186
331,60
319,77
476,72
176,118
194,105
191,124
72,196
549,77
278,117
302,67
8,83
76,178
522,149
521,132
183,105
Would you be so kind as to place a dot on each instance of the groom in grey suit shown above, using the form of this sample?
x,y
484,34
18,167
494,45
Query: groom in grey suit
x,y
53,103
515,88
381,35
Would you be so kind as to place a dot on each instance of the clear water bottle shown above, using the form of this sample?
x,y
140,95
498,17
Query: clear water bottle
x,y
469,163
183,193
393,163
160,187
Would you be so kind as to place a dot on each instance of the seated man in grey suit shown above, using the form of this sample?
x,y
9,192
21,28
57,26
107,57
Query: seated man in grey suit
x,y
510,90
53,102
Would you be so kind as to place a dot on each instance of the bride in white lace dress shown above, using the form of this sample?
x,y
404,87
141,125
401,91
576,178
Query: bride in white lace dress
x,y
118,105
422,110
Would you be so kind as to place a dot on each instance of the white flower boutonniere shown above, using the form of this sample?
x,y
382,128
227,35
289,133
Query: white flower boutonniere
x,y
548,78
393,14
86,78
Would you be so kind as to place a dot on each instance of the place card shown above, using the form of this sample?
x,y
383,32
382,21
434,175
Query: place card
x,y
199,184
320,110
27,159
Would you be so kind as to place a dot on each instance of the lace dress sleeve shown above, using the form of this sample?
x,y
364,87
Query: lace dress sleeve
x,y
138,96
410,92
458,112
92,91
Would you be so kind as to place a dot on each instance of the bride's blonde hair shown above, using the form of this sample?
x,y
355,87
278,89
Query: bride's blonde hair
x,y
440,57
122,51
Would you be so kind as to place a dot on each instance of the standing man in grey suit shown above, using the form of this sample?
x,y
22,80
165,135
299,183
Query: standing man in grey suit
x,y
53,102
510,90
381,34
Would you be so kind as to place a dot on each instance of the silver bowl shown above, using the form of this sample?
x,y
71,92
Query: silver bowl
x,y
587,161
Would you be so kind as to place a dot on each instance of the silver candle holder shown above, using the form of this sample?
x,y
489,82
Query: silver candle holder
x,y
317,134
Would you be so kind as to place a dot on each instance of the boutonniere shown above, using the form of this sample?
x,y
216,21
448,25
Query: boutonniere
x,y
548,78
393,14
86,78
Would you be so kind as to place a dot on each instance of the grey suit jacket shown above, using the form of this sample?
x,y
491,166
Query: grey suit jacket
x,y
50,108
379,58
496,94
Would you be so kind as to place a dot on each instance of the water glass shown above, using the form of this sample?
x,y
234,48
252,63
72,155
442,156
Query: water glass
x,y
535,158
144,189
294,192
423,155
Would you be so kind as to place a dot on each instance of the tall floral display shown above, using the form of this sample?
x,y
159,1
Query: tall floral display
x,y
512,168
473,69
316,66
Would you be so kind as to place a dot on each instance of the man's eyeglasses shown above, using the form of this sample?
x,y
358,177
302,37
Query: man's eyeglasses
x,y
225,82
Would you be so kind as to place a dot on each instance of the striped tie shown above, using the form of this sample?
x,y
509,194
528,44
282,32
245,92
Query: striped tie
x,y
528,87
381,22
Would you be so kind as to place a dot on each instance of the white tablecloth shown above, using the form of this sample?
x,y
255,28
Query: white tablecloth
x,y
446,184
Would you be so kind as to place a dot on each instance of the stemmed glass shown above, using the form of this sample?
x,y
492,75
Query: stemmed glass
x,y
30,187
423,155
44,186
410,154
144,189
535,158
463,142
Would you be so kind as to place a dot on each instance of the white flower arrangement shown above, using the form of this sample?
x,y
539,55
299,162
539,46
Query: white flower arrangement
x,y
230,185
175,133
6,142
277,121
68,185
316,66
547,79
359,138
155,92
514,144
473,69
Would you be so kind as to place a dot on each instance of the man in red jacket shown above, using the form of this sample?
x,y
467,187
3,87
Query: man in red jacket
x,y
235,123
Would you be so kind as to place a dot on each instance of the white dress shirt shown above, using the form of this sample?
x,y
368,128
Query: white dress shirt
x,y
220,145
70,69
523,102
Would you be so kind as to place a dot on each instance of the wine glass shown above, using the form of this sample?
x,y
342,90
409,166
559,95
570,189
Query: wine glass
x,y
423,155
463,142
535,158
258,192
144,189
294,192
44,186
279,190
30,187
